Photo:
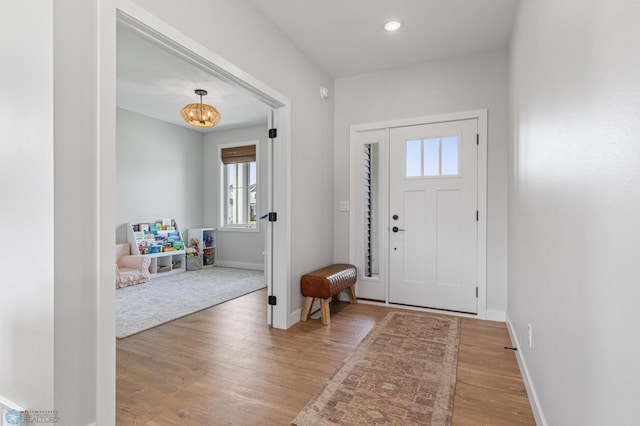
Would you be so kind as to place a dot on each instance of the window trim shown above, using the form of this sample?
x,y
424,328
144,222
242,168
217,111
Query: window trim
x,y
222,190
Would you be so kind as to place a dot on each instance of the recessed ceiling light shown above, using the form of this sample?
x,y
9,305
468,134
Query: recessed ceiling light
x,y
392,26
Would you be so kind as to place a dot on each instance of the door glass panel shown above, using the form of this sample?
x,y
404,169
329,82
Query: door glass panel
x,y
450,155
414,158
431,157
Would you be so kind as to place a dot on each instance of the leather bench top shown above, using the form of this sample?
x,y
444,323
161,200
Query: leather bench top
x,y
327,281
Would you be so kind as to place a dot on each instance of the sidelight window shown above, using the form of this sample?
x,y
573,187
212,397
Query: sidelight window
x,y
371,210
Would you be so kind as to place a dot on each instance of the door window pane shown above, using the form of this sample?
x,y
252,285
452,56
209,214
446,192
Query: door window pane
x,y
414,158
450,155
431,157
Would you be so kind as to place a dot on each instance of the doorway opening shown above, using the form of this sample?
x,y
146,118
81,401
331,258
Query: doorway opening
x,y
145,26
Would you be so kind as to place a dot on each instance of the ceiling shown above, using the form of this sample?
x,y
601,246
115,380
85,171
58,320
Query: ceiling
x,y
347,37
154,82
344,37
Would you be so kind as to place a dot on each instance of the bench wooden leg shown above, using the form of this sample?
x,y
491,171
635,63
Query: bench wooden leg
x,y
324,305
306,309
352,295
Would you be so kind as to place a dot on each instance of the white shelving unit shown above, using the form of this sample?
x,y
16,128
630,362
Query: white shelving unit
x,y
163,263
206,243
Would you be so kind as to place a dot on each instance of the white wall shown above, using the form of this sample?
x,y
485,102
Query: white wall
x,y
453,85
77,244
80,198
235,246
240,33
26,211
574,199
159,172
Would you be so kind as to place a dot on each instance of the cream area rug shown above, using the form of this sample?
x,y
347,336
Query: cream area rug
x,y
164,299
402,373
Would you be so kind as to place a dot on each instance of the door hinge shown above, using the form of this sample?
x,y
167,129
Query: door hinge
x,y
272,300
477,138
477,215
273,217
476,292
273,133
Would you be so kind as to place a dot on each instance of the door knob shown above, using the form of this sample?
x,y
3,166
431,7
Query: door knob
x,y
396,229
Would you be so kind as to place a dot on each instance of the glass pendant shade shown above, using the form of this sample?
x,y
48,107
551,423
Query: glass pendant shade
x,y
200,115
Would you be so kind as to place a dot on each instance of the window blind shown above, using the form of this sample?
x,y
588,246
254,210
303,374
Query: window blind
x,y
239,154
368,200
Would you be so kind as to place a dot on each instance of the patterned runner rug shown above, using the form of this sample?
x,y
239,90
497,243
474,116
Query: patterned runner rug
x,y
403,372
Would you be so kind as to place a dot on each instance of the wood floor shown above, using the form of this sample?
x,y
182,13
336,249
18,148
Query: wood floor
x,y
224,366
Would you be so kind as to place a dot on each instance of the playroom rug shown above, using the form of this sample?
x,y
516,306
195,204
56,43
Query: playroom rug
x,y
164,299
403,372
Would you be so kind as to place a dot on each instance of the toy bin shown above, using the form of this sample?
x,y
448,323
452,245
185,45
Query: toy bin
x,y
194,263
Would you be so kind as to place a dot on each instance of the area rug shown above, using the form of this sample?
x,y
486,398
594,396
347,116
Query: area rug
x,y
402,373
164,299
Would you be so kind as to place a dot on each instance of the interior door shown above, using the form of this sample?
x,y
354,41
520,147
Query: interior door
x,y
433,222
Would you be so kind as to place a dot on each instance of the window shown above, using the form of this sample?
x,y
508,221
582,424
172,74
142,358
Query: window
x,y
239,185
371,210
432,157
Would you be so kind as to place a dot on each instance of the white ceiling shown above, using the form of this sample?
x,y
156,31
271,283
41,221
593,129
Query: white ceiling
x,y
154,82
346,37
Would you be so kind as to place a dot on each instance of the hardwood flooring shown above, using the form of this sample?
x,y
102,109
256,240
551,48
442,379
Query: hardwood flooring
x,y
224,366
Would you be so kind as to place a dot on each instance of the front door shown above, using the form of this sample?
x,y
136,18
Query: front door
x,y
433,222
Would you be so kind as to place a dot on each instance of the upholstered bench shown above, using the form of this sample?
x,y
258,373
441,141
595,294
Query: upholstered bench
x,y
326,283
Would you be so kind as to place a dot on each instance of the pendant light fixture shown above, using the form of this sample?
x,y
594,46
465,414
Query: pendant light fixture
x,y
200,115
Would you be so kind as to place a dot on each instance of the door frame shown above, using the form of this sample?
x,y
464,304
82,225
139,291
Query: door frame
x,y
355,214
157,31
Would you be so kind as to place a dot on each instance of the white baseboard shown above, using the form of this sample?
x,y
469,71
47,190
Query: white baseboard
x,y
526,377
240,265
491,314
294,317
7,404
315,307
495,315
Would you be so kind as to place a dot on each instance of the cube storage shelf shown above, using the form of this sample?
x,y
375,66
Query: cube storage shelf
x,y
162,263
207,243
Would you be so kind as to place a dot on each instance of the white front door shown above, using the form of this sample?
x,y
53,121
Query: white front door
x,y
433,200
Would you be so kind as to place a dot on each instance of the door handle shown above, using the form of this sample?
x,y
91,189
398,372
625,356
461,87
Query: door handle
x,y
396,229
